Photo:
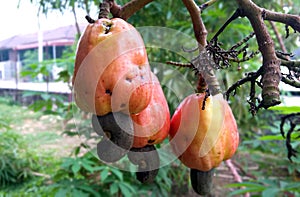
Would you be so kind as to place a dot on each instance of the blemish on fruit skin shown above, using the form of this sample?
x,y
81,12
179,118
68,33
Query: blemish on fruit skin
x,y
151,141
107,91
128,79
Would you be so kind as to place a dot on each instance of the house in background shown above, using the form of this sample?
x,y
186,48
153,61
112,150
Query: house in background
x,y
12,57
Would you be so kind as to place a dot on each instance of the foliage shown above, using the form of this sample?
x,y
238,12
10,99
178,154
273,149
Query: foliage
x,y
266,148
17,160
267,187
50,103
82,174
85,175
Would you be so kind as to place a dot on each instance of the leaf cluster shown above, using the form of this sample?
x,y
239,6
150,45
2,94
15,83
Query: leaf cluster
x,y
17,160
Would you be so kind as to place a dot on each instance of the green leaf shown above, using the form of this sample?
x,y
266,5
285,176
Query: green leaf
x,y
292,186
243,191
67,162
118,173
277,137
114,188
75,167
125,190
104,174
246,184
78,193
87,166
62,192
46,96
286,109
271,137
270,192
88,189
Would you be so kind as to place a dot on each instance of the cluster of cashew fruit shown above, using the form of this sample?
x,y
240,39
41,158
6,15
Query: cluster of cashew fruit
x,y
113,81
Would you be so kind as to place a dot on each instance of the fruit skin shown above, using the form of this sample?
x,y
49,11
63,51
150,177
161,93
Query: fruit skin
x,y
147,159
116,130
202,181
202,139
151,126
111,72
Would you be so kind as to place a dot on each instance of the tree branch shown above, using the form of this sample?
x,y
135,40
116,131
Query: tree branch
x,y
202,62
235,174
271,75
292,65
128,9
293,83
198,25
249,78
288,19
278,37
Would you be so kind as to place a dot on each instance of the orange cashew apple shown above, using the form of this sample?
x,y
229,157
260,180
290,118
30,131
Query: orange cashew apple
x,y
112,72
203,131
151,126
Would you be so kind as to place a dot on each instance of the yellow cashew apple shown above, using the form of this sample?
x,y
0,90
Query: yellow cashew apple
x,y
203,131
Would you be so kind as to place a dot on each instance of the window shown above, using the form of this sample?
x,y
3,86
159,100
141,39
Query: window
x,y
4,55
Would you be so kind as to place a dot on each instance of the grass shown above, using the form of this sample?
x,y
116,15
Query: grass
x,y
42,134
37,128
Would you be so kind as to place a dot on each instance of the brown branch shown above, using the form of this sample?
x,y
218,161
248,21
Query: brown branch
x,y
249,77
278,37
203,62
76,22
291,65
288,19
128,9
271,75
235,173
198,25
290,82
244,173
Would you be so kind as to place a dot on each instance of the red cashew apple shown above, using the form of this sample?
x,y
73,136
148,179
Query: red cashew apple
x,y
112,72
151,126
203,131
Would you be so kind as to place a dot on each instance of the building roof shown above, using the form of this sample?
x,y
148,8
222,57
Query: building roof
x,y
56,37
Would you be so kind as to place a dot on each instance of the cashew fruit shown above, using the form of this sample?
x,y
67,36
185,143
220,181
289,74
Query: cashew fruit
x,y
151,126
147,159
203,131
111,72
116,130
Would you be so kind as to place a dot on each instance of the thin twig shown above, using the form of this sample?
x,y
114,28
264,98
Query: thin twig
x,y
252,76
243,171
278,37
290,82
180,64
234,16
41,175
207,4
